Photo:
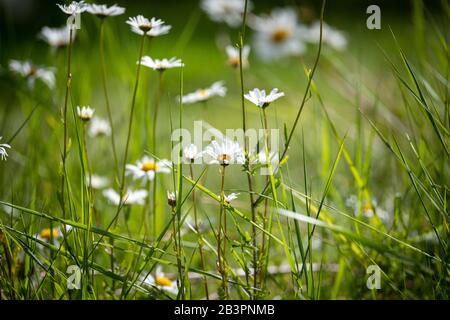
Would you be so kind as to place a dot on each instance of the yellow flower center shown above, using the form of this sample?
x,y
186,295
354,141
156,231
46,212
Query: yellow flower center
x,y
203,93
163,281
149,166
367,207
224,158
32,72
234,61
46,233
280,35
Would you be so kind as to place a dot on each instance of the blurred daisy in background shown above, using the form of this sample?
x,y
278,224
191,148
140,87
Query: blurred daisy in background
x,y
147,167
161,65
32,72
131,196
56,233
225,153
57,37
330,36
231,197
191,153
76,7
85,113
3,152
261,99
279,34
143,26
99,127
200,95
160,281
97,182
172,198
233,56
102,10
228,11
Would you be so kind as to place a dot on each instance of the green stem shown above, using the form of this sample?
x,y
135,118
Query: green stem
x,y
220,234
156,109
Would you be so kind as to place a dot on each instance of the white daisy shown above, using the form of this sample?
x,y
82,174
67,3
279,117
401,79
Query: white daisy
x,y
76,7
231,197
172,198
131,196
3,153
57,37
279,34
147,167
330,36
191,152
102,10
143,26
260,99
225,153
46,234
97,182
228,11
216,89
161,65
160,281
233,56
99,127
32,72
85,113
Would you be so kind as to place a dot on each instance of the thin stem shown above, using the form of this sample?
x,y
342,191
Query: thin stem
x,y
156,109
155,185
220,234
105,91
177,249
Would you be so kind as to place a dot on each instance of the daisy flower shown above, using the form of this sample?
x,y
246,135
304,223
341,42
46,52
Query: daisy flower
x,y
76,7
3,153
191,152
278,34
233,56
99,127
161,282
97,182
228,11
172,198
231,197
32,72
225,153
161,65
85,113
143,26
131,196
216,89
147,167
260,99
103,11
57,37
46,234
330,36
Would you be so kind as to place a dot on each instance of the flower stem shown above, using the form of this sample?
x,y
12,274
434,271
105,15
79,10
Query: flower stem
x,y
221,247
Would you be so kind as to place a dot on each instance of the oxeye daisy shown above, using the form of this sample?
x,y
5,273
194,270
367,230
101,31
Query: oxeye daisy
x,y
161,65
85,113
131,196
47,234
191,152
200,95
97,182
143,26
57,37
103,11
172,198
3,152
76,7
228,11
233,56
260,99
330,36
161,282
31,72
231,197
147,167
99,127
278,34
225,153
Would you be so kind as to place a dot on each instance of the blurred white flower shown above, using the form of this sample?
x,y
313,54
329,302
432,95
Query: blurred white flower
x,y
233,56
147,167
260,99
161,65
99,127
216,89
190,153
231,197
278,34
97,182
85,113
330,36
160,281
47,234
131,196
102,10
3,152
225,153
228,11
32,72
143,26
57,37
172,198
76,7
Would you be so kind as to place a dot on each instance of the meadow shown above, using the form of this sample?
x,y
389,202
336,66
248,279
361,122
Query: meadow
x,y
125,173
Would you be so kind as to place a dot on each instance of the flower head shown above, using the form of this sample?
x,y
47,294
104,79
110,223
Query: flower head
x,y
47,234
172,198
97,182
131,196
260,99
85,113
225,153
161,65
330,36
147,167
76,7
143,26
32,72
57,37
228,11
233,56
99,127
102,10
216,89
3,153
231,197
190,153
160,281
